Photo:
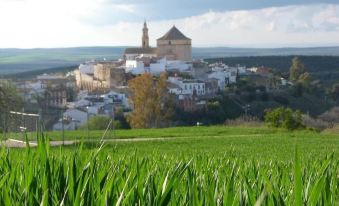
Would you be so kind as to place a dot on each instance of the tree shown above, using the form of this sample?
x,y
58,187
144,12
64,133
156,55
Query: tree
x,y
296,69
284,118
101,122
305,80
152,104
300,78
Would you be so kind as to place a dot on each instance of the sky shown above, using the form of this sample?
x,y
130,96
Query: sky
x,y
209,23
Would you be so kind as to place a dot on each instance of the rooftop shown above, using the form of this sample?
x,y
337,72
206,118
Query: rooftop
x,y
174,34
139,50
192,81
172,85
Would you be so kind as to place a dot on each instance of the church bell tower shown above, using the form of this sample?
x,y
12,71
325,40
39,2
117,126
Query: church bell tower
x,y
145,39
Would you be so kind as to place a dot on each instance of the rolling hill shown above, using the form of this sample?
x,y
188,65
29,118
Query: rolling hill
x,y
13,61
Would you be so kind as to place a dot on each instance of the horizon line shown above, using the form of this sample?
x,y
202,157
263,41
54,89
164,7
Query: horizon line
x,y
197,47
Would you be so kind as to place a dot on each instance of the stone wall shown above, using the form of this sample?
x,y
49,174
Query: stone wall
x,y
175,49
106,76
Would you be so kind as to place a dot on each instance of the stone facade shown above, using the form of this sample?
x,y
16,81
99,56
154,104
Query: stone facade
x,y
145,38
104,76
174,46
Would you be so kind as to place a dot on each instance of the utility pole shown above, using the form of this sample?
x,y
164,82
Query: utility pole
x,y
5,127
39,123
246,109
87,122
23,128
63,127
113,117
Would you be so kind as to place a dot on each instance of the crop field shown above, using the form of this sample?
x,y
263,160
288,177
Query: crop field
x,y
186,166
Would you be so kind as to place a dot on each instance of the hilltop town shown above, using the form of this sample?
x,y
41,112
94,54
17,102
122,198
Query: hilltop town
x,y
205,103
100,87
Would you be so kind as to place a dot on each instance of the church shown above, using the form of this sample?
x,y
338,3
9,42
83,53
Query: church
x,y
174,45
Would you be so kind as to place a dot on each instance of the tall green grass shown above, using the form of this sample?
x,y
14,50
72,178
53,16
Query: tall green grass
x,y
40,176
193,131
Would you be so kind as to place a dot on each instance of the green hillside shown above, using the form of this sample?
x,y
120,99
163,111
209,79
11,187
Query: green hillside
x,y
21,60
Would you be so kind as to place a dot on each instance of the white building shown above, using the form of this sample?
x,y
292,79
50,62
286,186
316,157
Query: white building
x,y
193,87
78,116
252,69
67,126
133,53
178,65
87,68
155,67
224,77
116,98
186,86
135,67
75,118
241,70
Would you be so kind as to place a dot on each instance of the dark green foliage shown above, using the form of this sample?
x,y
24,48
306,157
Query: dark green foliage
x,y
284,118
264,96
300,78
283,63
101,123
297,90
335,91
281,99
296,70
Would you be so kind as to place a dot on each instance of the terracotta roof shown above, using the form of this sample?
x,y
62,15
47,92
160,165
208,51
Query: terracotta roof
x,y
139,50
174,34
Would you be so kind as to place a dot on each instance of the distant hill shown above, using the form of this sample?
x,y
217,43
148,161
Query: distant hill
x,y
23,60
214,52
325,68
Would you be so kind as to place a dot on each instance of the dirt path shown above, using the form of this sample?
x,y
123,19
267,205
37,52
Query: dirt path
x,y
13,143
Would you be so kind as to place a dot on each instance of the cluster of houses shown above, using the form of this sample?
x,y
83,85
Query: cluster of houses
x,y
101,86
88,105
46,89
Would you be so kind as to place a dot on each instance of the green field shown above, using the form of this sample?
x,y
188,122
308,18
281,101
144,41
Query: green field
x,y
188,166
257,142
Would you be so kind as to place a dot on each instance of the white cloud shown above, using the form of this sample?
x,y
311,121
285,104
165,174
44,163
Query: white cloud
x,y
49,23
125,7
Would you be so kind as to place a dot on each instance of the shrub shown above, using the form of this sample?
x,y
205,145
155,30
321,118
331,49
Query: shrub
x,y
284,118
315,123
100,123
331,116
244,121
